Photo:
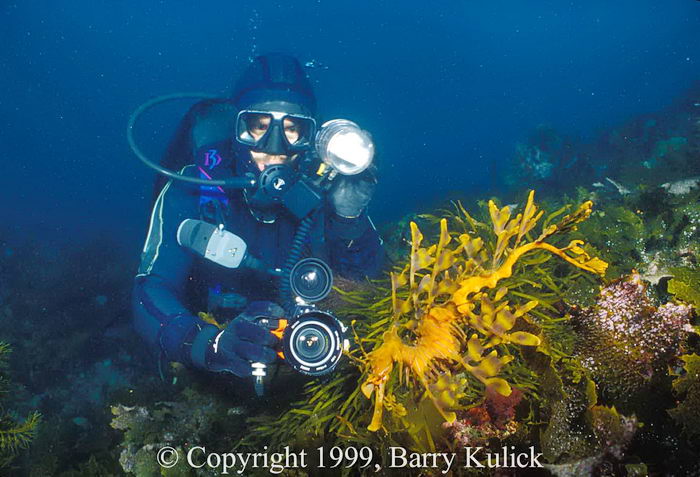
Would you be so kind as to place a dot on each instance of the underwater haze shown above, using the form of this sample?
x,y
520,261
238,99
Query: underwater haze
x,y
446,88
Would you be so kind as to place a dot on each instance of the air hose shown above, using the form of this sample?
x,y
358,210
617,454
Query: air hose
x,y
233,182
295,251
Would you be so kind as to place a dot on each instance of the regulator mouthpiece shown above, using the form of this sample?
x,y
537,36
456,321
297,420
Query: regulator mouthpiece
x,y
345,147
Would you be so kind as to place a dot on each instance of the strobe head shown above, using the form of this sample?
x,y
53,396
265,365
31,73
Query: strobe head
x,y
311,280
313,342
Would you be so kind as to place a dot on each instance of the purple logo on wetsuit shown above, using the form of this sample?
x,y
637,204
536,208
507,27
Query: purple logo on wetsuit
x,y
212,158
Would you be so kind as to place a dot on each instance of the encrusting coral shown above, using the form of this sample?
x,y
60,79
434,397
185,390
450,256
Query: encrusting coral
x,y
441,305
624,340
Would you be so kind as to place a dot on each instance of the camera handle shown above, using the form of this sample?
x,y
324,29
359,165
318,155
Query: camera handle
x,y
275,326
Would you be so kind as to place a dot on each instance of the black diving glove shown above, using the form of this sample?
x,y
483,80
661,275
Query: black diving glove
x,y
244,342
350,195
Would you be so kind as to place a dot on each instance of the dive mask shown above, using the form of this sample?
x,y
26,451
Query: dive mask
x,y
274,132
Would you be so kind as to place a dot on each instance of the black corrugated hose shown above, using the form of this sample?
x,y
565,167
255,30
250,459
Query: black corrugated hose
x,y
295,251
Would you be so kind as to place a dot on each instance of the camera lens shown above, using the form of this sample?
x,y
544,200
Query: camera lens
x,y
313,343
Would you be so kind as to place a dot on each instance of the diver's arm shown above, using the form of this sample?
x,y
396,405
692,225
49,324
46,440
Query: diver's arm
x,y
355,247
160,315
356,250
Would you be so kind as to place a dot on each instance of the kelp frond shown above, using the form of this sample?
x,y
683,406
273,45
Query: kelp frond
x,y
13,436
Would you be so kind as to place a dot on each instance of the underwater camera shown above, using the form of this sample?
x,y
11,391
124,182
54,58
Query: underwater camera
x,y
313,340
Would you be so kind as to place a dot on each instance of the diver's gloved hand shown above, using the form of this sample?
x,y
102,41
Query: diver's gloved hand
x,y
350,195
243,341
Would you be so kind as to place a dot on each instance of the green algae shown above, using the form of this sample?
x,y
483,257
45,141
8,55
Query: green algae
x,y
685,285
15,434
687,388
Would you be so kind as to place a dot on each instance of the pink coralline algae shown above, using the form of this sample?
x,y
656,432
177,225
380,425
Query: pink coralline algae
x,y
495,418
625,339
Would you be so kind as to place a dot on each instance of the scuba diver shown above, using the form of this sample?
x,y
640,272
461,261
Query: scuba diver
x,y
257,205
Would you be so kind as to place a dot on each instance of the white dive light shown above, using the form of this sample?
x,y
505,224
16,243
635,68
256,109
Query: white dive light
x,y
344,146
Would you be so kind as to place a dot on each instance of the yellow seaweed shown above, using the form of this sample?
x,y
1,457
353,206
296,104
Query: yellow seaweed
x,y
453,322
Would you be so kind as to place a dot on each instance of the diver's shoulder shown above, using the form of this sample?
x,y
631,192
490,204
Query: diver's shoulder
x,y
175,187
190,170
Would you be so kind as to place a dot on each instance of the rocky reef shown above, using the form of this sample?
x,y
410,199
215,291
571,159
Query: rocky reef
x,y
653,149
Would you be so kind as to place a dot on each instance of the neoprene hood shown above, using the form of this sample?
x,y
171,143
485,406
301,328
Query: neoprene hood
x,y
274,77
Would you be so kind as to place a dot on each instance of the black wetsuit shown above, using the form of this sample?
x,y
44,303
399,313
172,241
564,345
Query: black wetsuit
x,y
173,284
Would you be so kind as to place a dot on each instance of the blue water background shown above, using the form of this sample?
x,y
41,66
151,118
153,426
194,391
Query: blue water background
x,y
446,88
